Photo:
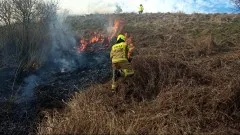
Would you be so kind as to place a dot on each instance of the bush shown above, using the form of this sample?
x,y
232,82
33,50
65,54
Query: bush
x,y
25,30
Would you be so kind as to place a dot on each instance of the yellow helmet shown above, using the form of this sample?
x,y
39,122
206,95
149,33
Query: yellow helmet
x,y
121,37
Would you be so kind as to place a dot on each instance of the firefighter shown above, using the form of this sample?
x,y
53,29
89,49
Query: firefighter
x,y
120,61
140,11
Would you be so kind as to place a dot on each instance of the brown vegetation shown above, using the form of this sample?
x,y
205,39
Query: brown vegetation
x,y
24,29
186,82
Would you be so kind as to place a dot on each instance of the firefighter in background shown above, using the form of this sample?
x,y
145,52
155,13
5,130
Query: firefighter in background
x,y
140,11
120,61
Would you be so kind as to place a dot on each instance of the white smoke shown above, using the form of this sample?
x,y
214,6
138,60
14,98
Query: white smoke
x,y
30,83
60,53
63,43
26,92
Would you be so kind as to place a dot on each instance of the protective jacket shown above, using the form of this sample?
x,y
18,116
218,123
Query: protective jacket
x,y
141,9
119,52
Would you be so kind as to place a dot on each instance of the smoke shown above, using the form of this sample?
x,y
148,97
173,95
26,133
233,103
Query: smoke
x,y
62,53
118,9
102,7
61,57
29,84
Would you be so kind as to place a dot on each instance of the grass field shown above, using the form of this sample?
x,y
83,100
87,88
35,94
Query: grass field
x,y
187,79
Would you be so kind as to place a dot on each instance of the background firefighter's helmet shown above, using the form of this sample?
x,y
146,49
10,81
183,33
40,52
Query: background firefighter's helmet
x,y
140,4
121,37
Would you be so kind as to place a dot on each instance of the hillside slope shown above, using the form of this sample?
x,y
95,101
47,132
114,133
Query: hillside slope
x,y
187,79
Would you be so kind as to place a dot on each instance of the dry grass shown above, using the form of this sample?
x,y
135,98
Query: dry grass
x,y
171,99
185,83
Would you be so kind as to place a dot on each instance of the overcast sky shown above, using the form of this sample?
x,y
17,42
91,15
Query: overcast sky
x,y
108,6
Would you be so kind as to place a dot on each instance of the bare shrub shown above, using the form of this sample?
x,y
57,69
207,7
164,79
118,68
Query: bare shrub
x,y
27,23
6,12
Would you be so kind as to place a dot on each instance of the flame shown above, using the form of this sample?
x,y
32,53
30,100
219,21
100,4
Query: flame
x,y
117,28
129,41
83,45
96,38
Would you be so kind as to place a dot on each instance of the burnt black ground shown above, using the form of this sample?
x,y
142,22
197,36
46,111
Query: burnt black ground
x,y
52,88
62,85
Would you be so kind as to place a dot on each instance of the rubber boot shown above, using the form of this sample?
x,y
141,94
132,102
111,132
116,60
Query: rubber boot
x,y
128,72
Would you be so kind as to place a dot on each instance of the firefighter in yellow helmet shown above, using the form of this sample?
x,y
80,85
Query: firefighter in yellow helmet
x,y
140,11
120,62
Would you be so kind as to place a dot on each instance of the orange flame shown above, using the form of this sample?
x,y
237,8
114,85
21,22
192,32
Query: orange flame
x,y
129,41
87,44
117,28
83,46
95,37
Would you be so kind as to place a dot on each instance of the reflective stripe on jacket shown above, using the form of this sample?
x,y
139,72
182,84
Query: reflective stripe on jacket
x,y
119,52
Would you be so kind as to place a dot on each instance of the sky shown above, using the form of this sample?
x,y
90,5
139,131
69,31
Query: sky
x,y
150,6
